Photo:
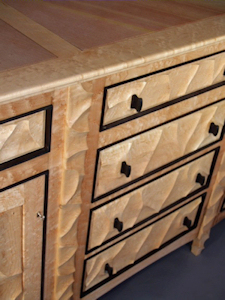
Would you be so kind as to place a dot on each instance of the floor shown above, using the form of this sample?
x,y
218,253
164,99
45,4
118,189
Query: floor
x,y
180,275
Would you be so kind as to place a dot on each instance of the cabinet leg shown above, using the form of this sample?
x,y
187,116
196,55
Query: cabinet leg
x,y
198,244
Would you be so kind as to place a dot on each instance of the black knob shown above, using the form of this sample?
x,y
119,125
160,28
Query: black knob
x,y
214,129
108,269
136,103
200,179
125,169
187,222
118,224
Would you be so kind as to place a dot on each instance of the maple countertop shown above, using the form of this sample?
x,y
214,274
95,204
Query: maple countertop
x,y
50,44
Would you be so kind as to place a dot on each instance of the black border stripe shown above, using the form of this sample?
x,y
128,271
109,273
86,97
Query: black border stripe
x,y
48,128
158,169
155,108
223,206
84,293
200,189
44,235
46,174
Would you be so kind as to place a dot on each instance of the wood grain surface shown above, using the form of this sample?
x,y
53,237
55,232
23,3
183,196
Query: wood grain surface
x,y
21,240
146,201
214,206
160,88
16,50
76,131
136,246
21,136
84,20
155,148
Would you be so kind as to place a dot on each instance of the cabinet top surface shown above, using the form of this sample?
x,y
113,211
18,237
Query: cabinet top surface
x,y
46,44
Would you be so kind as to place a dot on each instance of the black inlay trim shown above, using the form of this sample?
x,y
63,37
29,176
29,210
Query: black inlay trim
x,y
223,206
84,293
155,108
200,189
160,168
48,127
46,174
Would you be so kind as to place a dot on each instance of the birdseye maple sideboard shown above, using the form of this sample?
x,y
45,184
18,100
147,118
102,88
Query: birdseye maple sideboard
x,y
110,157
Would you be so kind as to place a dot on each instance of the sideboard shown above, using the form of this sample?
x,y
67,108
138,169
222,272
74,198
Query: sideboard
x,y
112,150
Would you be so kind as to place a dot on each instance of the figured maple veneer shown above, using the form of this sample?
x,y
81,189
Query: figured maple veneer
x,y
153,149
162,87
21,238
141,244
213,209
25,135
76,130
149,200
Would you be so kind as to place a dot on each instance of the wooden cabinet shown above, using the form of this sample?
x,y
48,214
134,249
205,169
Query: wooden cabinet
x,y
111,142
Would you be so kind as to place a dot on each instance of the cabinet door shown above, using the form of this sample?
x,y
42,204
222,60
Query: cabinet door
x,y
22,224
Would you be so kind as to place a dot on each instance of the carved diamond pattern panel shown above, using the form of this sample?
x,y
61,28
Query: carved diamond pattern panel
x,y
21,236
148,200
156,148
77,129
128,251
162,87
213,208
22,136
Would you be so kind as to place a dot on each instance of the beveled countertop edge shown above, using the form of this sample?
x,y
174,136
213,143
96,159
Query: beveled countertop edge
x,y
106,60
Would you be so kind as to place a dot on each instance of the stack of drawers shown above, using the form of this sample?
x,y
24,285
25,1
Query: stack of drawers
x,y
149,188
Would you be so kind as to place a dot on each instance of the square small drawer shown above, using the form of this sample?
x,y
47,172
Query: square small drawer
x,y
25,136
127,161
133,98
119,215
111,262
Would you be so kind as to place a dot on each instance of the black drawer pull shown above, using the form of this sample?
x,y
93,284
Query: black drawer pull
x,y
108,269
136,103
187,222
214,129
118,224
125,169
200,179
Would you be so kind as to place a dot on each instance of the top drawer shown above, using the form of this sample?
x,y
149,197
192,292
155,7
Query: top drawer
x,y
25,136
138,96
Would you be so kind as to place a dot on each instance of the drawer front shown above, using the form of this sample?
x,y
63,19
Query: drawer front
x,y
113,261
116,217
130,99
24,137
124,162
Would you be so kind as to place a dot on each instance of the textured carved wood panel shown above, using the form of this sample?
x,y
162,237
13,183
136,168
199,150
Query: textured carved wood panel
x,y
77,128
22,136
213,207
21,240
136,246
147,200
165,86
155,148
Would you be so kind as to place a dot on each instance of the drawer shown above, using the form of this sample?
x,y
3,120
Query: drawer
x,y
135,97
118,216
116,259
25,136
125,162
